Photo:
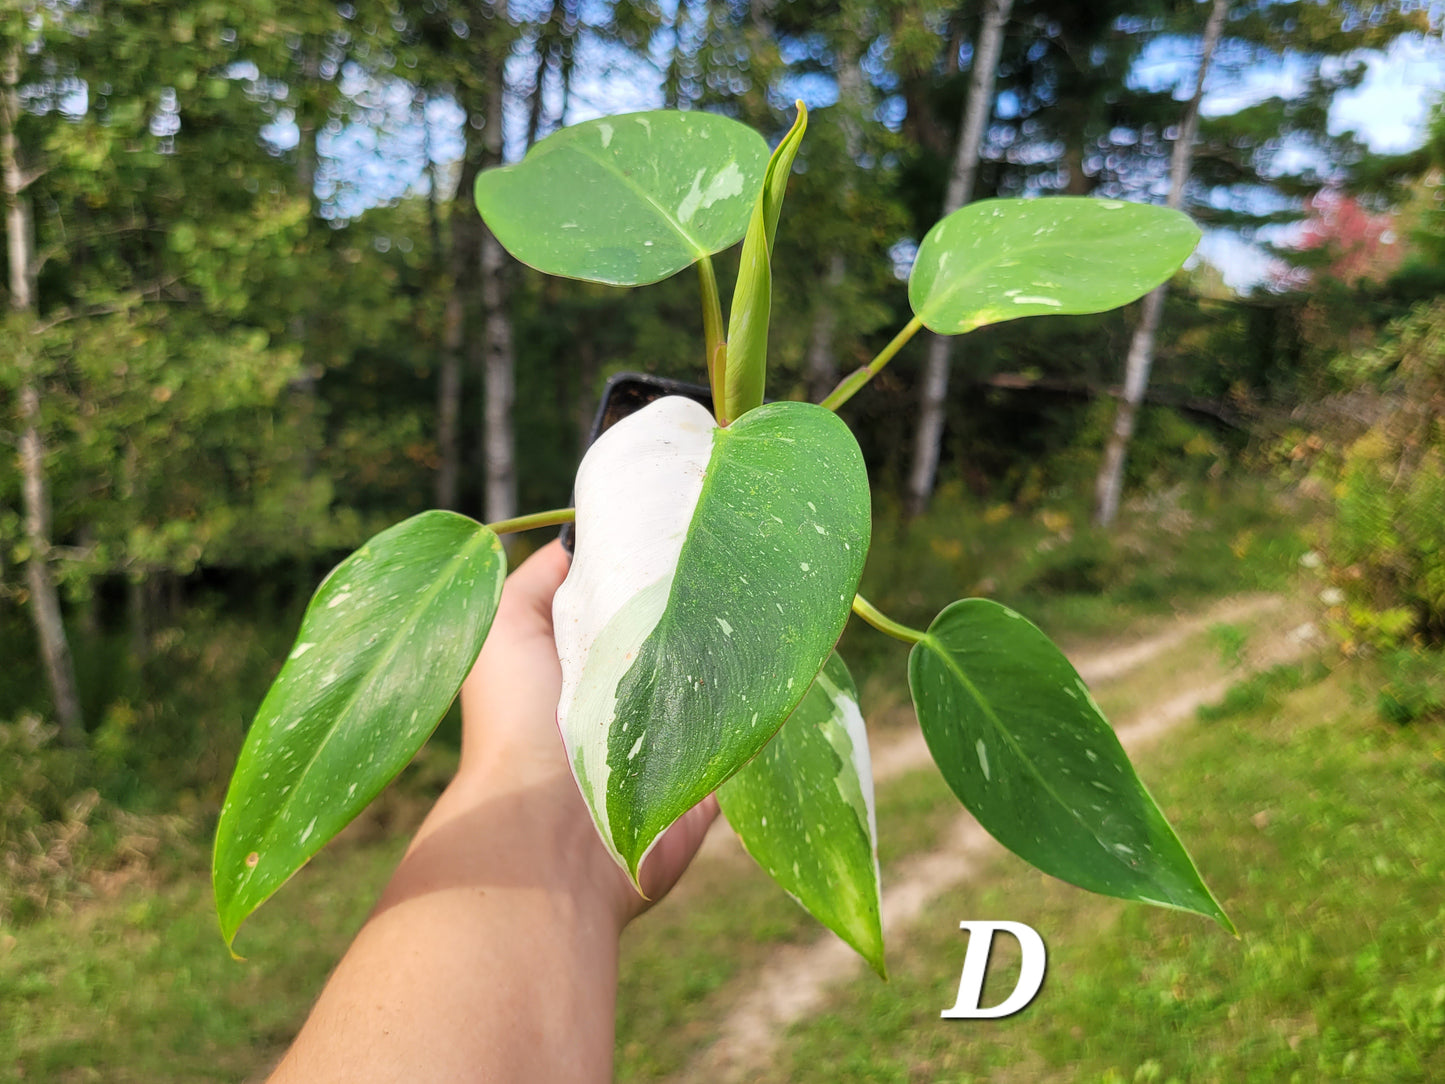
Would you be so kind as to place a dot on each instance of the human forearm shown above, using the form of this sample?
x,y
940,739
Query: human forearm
x,y
491,955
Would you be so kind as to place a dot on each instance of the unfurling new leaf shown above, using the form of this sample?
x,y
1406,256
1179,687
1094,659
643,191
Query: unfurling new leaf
x,y
747,350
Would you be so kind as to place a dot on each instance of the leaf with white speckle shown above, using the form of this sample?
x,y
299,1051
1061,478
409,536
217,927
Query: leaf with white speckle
x,y
627,200
1038,765
679,662
804,809
1000,259
368,681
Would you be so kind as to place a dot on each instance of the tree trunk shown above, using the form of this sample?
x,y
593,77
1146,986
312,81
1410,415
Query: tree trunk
x,y
1109,486
456,266
304,386
822,363
499,385
976,115
44,599
498,365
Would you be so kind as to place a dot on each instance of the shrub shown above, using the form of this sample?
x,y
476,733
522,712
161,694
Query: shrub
x,y
1386,542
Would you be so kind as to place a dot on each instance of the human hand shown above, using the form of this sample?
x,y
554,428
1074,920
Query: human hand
x,y
511,745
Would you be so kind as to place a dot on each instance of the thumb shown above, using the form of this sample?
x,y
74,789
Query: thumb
x,y
531,587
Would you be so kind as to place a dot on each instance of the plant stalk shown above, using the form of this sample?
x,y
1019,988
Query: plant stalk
x,y
712,330
550,518
870,613
850,384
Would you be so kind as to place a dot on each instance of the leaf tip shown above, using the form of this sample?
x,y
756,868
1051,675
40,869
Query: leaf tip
x,y
1226,922
878,964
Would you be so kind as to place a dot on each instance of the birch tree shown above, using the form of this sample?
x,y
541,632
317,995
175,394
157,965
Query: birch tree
x,y
24,263
499,359
1110,482
977,110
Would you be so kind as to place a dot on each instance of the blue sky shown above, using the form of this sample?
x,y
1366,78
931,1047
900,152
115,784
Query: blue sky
x,y
384,160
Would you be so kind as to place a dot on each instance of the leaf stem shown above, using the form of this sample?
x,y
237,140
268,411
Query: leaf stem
x,y
549,518
850,384
870,613
712,330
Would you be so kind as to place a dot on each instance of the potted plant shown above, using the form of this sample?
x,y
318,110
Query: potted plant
x,y
717,560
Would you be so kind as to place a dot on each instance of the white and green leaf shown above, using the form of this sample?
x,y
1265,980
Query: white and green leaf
x,y
1001,259
627,200
713,573
1022,743
384,646
804,809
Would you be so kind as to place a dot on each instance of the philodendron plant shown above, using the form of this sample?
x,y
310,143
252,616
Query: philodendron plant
x,y
717,561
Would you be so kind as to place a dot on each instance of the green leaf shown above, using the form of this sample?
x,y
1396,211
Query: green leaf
x,y
803,808
747,352
713,574
626,200
1000,259
1021,742
383,648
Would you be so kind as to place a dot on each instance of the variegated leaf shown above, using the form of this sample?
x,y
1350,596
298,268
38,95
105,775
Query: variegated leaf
x,y
714,572
803,808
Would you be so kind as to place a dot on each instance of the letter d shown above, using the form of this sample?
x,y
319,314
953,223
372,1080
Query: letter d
x,y
975,964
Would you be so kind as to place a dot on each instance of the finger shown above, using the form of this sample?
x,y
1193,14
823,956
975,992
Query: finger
x,y
531,587
675,850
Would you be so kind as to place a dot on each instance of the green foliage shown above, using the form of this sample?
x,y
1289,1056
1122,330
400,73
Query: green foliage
x,y
1264,691
59,838
1413,690
1386,543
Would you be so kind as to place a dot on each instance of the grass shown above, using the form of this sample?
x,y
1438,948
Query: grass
x,y
1320,828
136,986
140,988
1176,549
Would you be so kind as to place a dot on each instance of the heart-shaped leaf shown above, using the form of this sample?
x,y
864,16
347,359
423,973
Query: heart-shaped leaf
x,y
714,572
383,648
627,200
803,808
1021,742
747,351
1000,259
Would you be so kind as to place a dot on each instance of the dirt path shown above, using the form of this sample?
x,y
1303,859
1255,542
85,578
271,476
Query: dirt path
x,y
796,981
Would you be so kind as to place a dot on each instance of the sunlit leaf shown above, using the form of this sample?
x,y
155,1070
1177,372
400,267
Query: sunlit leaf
x,y
1000,259
1020,740
383,648
803,808
627,200
714,572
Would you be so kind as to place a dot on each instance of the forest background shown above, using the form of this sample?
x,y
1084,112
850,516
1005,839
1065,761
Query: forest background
x,y
252,317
